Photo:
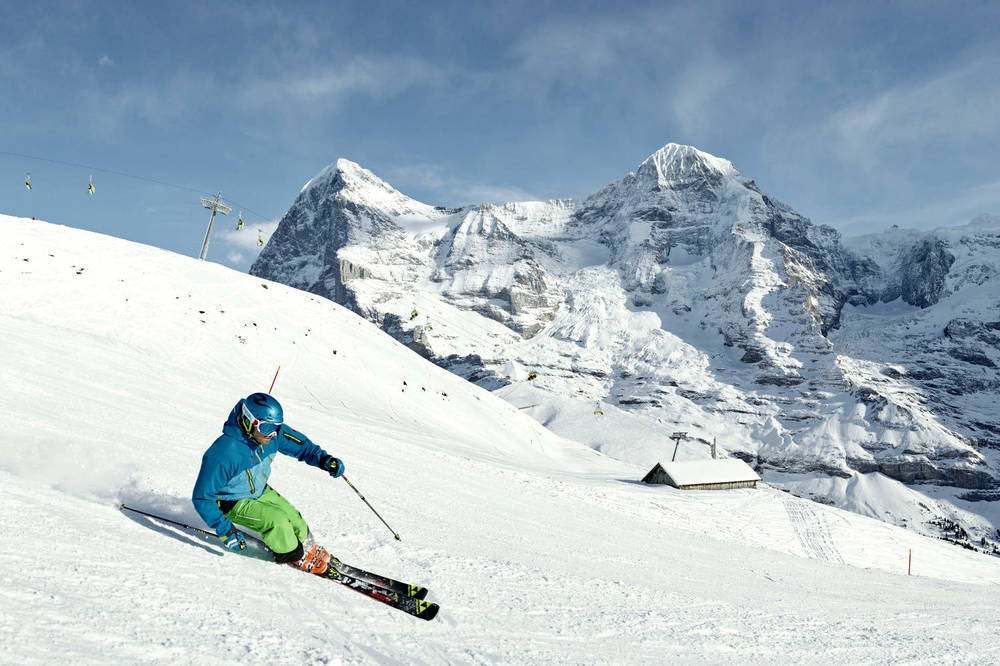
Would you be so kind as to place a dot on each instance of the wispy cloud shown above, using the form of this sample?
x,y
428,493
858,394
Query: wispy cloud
x,y
960,209
958,105
574,45
157,103
246,240
617,59
478,193
186,93
452,190
361,75
698,87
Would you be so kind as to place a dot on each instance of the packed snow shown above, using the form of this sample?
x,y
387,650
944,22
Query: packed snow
x,y
120,362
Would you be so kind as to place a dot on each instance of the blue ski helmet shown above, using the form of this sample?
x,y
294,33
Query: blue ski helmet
x,y
259,407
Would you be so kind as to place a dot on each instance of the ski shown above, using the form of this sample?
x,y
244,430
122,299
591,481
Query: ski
x,y
405,597
425,610
404,589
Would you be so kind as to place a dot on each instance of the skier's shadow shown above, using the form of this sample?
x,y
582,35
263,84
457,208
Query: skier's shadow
x,y
187,539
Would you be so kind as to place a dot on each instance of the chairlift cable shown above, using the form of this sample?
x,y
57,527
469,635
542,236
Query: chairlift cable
x,y
133,176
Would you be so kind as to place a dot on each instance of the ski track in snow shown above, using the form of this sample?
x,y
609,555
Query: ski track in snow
x,y
812,531
539,550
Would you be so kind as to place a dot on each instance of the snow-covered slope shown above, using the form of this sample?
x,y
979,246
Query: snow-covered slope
x,y
119,363
690,300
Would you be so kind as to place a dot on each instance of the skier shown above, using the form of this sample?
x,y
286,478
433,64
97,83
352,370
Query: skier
x,y
232,485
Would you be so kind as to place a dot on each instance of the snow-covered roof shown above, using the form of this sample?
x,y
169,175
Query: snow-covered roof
x,y
726,470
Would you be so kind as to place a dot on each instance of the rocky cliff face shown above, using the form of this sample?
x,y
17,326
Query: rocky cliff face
x,y
686,296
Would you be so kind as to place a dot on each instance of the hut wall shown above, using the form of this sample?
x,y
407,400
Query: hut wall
x,y
720,486
658,476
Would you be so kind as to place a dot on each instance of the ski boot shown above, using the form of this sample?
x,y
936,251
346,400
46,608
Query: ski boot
x,y
315,558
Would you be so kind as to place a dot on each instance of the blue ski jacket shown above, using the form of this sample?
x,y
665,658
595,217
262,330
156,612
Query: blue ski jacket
x,y
236,467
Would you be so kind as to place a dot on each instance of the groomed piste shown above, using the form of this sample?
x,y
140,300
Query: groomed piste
x,y
120,363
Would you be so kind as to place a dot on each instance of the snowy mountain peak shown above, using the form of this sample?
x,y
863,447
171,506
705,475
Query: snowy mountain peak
x,y
353,181
673,178
354,176
345,181
675,162
345,165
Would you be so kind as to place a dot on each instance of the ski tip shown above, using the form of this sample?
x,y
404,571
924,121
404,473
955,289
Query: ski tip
x,y
427,610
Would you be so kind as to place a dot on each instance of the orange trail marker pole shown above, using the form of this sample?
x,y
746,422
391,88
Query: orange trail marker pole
x,y
275,379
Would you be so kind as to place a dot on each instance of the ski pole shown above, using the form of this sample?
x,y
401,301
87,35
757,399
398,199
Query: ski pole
x,y
394,532
187,527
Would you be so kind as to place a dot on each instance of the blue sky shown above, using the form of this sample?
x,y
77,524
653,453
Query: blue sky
x,y
859,115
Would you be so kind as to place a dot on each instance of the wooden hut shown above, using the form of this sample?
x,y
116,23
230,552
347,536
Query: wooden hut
x,y
723,474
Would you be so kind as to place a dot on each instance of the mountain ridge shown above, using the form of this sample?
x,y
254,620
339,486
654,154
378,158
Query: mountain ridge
x,y
684,289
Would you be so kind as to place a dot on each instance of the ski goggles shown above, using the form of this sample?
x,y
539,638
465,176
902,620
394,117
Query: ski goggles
x,y
265,428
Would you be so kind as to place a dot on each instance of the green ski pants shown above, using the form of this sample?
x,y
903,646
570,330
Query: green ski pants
x,y
273,518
